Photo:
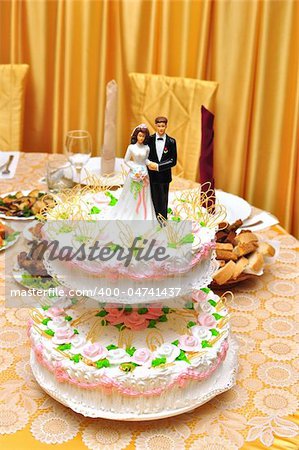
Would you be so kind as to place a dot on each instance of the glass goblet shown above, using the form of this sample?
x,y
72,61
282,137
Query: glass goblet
x,y
78,149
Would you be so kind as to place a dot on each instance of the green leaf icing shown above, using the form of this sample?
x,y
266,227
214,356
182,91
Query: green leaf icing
x,y
189,305
217,316
152,323
95,210
212,302
64,347
182,357
76,358
158,361
131,350
102,313
45,321
111,347
205,290
214,332
102,363
49,332
163,318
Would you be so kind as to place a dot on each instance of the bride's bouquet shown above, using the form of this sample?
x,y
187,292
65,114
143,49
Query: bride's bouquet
x,y
139,179
138,174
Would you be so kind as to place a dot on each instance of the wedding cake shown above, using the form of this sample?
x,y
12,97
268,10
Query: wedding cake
x,y
128,356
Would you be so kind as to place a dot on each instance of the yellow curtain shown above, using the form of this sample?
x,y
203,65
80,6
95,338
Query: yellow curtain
x,y
251,48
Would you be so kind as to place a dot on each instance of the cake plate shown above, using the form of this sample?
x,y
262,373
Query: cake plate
x,y
223,379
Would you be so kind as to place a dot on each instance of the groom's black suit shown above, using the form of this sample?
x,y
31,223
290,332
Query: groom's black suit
x,y
159,180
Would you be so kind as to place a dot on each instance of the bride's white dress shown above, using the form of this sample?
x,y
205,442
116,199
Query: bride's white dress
x,y
135,202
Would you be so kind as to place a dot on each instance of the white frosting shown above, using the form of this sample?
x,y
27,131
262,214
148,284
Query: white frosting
x,y
143,377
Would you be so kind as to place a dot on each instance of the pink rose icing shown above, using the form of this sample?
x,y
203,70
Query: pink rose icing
x,y
199,296
136,321
188,343
94,352
206,320
114,316
154,313
54,311
63,335
141,356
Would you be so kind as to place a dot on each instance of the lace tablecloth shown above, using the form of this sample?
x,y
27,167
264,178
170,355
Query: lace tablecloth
x,y
259,412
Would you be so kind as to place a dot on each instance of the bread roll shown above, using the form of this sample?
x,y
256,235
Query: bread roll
x,y
220,246
226,255
225,273
239,267
256,261
245,237
266,249
245,248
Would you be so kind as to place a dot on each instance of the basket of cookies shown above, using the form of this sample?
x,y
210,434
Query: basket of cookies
x,y
241,254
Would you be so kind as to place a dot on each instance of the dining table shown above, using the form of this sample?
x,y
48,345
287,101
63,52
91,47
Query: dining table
x,y
260,411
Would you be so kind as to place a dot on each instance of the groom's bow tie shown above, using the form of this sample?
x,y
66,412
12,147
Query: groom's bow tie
x,y
160,139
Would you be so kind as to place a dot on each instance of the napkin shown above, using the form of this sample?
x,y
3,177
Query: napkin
x,y
109,145
13,166
206,171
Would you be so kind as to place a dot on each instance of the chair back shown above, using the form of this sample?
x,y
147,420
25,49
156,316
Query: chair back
x,y
180,100
12,96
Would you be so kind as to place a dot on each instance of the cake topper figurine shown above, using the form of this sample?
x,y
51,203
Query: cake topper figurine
x,y
162,157
135,202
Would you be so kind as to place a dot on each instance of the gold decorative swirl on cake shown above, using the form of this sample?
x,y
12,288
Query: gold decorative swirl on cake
x,y
36,316
223,322
216,338
223,296
193,355
41,332
188,314
125,338
178,324
154,340
96,331
200,206
84,318
70,203
103,182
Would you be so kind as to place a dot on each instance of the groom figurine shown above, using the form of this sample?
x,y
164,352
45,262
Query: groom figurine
x,y
162,157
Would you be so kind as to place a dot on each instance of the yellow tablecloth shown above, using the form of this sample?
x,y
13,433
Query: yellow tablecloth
x,y
259,412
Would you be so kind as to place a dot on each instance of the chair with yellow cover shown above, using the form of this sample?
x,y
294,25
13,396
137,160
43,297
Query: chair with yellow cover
x,y
12,96
180,100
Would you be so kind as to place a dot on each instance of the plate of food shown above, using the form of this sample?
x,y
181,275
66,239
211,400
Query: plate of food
x,y
30,272
32,231
8,236
241,255
21,205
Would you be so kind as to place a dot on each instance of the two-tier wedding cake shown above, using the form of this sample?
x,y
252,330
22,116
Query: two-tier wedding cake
x,y
159,344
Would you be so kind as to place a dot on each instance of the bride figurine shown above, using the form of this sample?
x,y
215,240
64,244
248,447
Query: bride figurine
x,y
135,202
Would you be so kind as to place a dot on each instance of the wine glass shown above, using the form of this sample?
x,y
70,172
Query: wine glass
x,y
78,149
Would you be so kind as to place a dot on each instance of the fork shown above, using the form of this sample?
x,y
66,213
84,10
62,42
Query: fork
x,y
6,171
